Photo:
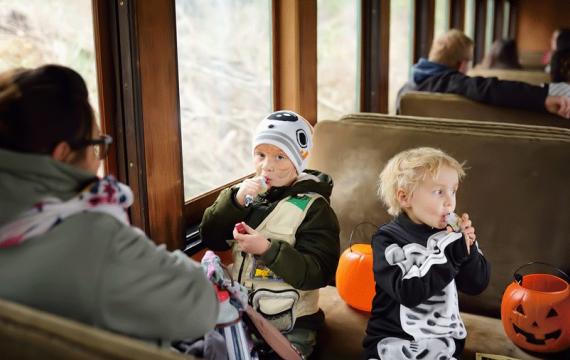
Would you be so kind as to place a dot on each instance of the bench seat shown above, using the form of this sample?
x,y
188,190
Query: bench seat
x,y
27,333
451,106
341,338
516,192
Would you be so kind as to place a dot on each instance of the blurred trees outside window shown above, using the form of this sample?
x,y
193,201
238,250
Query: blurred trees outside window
x,y
470,18
441,17
224,74
39,32
400,48
338,78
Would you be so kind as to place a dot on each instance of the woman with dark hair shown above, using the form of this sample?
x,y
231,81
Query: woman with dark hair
x,y
502,55
66,245
560,40
560,66
563,39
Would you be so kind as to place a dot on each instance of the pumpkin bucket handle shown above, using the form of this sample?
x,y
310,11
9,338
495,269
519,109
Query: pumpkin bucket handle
x,y
518,277
354,229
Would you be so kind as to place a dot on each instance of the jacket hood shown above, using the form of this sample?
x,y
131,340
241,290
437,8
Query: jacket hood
x,y
309,181
25,179
425,68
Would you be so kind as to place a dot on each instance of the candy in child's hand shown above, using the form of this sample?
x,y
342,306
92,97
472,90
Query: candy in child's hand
x,y
240,228
453,220
248,200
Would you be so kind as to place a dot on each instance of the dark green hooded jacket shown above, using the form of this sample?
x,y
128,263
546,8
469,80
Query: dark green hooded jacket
x,y
312,262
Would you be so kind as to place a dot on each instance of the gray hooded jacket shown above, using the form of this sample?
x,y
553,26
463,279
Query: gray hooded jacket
x,y
93,268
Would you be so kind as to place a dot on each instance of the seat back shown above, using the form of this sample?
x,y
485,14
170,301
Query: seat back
x,y
451,106
531,60
528,76
27,333
516,189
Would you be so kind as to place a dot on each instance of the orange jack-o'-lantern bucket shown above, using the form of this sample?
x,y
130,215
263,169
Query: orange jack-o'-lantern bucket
x,y
535,311
354,274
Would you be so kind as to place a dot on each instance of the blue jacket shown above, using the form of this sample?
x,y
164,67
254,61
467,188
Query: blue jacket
x,y
434,77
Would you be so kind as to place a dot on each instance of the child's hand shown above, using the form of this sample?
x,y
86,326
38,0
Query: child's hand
x,y
251,242
251,187
468,231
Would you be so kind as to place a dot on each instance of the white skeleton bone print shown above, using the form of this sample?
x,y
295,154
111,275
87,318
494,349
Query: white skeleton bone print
x,y
425,349
415,259
436,317
434,323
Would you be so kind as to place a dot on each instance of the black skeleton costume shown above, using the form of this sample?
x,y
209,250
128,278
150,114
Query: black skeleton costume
x,y
418,270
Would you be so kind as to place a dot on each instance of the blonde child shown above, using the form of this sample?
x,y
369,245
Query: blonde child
x,y
420,262
286,242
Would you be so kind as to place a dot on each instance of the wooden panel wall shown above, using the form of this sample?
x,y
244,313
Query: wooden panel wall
x,y
537,20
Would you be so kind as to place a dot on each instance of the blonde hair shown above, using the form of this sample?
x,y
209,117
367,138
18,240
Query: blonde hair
x,y
407,169
451,48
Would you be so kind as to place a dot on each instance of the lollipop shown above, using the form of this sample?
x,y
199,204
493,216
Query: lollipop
x,y
453,220
264,187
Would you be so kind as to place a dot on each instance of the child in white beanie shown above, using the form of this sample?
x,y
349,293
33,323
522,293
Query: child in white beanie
x,y
286,244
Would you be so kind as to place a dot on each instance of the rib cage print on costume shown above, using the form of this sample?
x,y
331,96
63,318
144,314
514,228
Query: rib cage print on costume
x,y
434,322
396,349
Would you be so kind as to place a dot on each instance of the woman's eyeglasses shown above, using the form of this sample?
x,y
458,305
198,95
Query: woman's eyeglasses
x,y
100,145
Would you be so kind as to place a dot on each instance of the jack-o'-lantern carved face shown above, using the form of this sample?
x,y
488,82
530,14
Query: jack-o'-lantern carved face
x,y
537,333
536,315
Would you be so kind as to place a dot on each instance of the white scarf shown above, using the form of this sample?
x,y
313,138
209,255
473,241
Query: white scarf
x,y
107,195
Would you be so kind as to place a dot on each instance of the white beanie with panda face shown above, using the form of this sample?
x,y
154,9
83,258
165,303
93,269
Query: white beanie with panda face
x,y
290,132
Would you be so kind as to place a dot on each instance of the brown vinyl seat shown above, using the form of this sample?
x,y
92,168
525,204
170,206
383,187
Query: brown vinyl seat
x,y
451,106
531,60
27,333
516,191
528,76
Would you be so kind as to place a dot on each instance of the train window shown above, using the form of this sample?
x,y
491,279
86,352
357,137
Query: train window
x,y
400,48
489,24
441,17
338,83
506,19
224,75
470,18
35,33
39,32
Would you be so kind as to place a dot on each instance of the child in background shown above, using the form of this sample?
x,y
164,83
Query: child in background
x,y
285,234
420,262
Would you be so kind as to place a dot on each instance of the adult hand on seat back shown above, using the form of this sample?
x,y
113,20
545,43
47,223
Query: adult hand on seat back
x,y
558,105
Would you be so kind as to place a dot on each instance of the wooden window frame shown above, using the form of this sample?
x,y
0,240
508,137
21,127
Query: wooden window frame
x,y
113,48
424,17
295,56
457,14
480,30
375,55
513,18
137,72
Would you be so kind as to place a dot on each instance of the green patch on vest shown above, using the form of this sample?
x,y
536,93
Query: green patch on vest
x,y
300,201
